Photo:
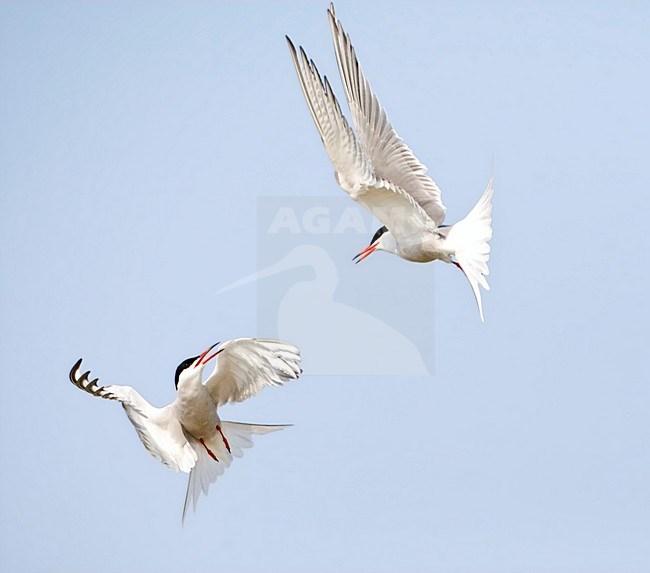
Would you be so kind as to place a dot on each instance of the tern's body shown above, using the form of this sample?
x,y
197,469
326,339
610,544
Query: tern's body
x,y
429,247
188,435
378,170
195,409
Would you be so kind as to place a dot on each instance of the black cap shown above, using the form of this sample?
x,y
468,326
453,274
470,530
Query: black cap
x,y
378,234
182,366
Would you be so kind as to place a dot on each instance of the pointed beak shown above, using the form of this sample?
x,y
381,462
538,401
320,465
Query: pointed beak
x,y
369,250
202,360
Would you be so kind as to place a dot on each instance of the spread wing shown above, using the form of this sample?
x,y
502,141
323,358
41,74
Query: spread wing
x,y
384,149
246,365
356,175
158,428
352,169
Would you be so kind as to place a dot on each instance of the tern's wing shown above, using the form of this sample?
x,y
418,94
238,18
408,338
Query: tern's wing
x,y
158,428
387,201
246,365
388,155
338,138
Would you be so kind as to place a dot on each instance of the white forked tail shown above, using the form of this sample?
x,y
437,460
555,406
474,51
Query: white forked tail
x,y
468,239
236,436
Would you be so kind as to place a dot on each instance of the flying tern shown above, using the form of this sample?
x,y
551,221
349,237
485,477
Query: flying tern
x,y
188,435
378,170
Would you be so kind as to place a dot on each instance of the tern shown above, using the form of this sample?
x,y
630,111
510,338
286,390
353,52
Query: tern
x,y
378,170
188,435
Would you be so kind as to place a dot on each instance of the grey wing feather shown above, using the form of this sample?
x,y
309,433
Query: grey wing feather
x,y
392,205
84,383
338,138
390,158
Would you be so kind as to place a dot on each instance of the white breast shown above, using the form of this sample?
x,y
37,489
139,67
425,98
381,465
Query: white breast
x,y
195,409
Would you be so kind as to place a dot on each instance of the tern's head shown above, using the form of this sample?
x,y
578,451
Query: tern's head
x,y
381,241
193,367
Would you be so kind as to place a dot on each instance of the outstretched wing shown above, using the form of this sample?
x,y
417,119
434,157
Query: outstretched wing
x,y
352,169
388,155
391,204
158,428
246,365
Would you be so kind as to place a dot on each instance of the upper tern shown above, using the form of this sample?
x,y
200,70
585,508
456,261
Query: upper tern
x,y
188,435
377,169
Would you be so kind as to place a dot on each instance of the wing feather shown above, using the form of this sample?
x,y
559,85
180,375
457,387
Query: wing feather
x,y
393,206
335,132
158,428
246,365
390,158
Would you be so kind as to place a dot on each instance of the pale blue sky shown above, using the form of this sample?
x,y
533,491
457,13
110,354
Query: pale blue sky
x,y
136,141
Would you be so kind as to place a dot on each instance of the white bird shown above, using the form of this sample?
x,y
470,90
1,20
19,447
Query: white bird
x,y
377,169
188,435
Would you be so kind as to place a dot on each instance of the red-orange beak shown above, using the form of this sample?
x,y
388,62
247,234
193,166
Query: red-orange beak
x,y
369,250
202,360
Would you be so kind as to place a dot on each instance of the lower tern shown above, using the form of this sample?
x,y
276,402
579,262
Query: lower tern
x,y
188,435
378,170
